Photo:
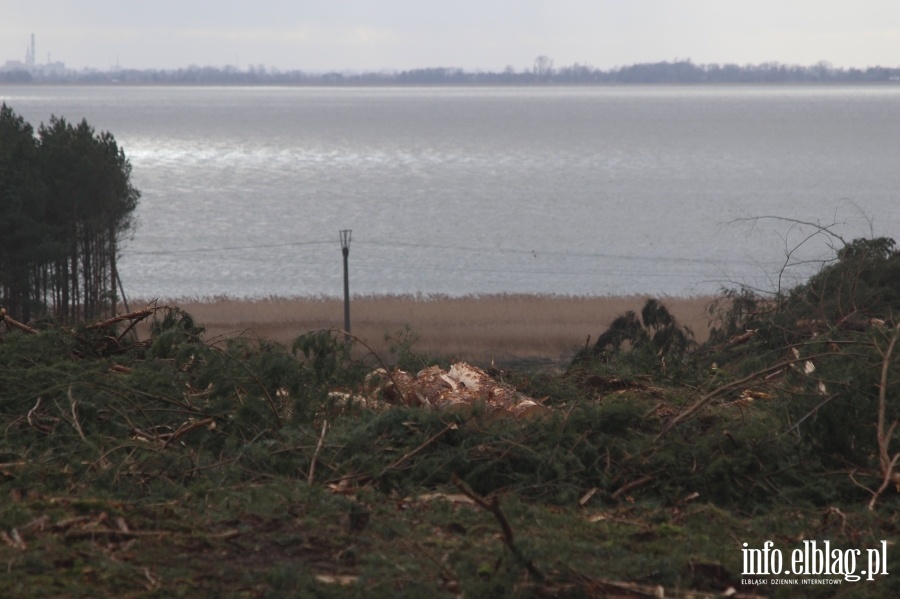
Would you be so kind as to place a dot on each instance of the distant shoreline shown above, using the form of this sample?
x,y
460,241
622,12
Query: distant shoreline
x,y
543,72
472,85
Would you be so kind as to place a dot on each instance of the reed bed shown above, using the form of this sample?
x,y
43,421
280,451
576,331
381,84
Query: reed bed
x,y
505,328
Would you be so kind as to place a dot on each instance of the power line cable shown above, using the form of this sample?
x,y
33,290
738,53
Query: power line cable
x,y
636,274
548,252
394,266
226,248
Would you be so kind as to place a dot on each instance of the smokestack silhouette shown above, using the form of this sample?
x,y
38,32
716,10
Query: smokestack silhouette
x,y
29,53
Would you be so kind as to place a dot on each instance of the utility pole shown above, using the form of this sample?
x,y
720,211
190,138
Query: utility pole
x,y
345,248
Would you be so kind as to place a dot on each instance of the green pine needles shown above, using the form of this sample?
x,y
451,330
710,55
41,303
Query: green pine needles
x,y
66,202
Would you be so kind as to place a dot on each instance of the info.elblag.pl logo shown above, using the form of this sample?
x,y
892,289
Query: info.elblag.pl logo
x,y
813,559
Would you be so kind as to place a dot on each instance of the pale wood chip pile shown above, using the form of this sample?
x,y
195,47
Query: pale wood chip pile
x,y
458,390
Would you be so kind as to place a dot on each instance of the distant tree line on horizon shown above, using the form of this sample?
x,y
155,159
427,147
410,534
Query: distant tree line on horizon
x,y
543,72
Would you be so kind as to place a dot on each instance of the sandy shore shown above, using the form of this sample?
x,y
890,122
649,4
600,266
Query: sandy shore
x,y
505,328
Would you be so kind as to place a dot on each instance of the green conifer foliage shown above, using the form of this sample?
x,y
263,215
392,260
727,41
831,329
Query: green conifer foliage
x,y
23,231
67,201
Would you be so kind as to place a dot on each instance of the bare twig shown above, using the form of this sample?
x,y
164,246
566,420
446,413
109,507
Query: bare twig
x,y
886,462
705,399
193,471
312,464
13,539
789,253
188,427
118,534
406,456
633,485
808,414
374,354
12,464
29,417
448,574
74,405
825,229
889,476
493,506
259,383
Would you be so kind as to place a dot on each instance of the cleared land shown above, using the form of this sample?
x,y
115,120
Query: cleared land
x,y
504,328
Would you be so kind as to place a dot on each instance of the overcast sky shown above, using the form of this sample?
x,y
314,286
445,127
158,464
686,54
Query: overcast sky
x,y
372,35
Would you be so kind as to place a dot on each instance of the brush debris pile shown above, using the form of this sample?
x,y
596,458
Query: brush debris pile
x,y
461,389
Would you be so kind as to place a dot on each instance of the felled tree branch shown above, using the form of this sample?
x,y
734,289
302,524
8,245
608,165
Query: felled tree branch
x,y
493,506
132,316
707,398
885,461
12,323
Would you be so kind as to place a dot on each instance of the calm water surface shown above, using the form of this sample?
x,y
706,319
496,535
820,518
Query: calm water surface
x,y
484,190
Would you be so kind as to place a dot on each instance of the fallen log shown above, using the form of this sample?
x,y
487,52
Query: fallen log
x,y
12,323
139,315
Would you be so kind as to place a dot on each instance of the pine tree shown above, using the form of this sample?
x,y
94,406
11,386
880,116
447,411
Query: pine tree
x,y
68,201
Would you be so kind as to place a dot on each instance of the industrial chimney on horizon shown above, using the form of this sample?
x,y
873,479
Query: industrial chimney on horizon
x,y
29,53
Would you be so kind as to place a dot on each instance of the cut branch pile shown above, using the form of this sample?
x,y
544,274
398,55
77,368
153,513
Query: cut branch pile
x,y
173,423
460,390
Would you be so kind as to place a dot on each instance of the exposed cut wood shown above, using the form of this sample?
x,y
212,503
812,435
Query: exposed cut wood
x,y
457,390
13,323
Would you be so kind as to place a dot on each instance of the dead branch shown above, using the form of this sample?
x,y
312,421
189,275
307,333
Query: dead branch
x,y
705,399
114,534
448,574
493,506
188,427
134,322
32,411
13,539
742,338
885,461
11,322
612,588
406,456
374,354
312,463
74,405
889,476
633,485
826,229
132,316
259,383
796,425
32,418
225,535
12,464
